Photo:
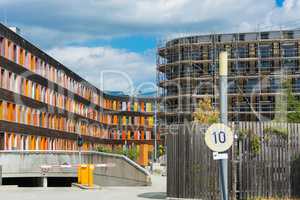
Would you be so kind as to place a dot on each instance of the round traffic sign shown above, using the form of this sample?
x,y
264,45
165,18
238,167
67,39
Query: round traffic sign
x,y
219,137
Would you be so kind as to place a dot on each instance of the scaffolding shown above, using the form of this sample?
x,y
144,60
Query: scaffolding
x,y
187,71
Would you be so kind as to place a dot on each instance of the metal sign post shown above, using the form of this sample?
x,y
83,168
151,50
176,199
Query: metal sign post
x,y
223,67
219,137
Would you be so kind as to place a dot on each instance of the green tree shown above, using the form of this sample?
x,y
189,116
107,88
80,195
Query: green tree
x,y
133,153
161,150
206,113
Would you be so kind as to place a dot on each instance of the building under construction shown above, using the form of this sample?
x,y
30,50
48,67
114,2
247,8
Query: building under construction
x,y
259,65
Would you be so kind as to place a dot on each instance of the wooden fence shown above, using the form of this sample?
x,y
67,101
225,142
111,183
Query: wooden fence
x,y
263,162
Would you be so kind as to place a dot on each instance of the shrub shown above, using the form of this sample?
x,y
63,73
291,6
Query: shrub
x,y
131,152
206,113
280,132
104,149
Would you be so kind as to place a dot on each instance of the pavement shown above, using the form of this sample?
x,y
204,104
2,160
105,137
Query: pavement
x,y
156,191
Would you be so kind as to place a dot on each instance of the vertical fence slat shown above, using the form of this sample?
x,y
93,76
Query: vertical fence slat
x,y
192,172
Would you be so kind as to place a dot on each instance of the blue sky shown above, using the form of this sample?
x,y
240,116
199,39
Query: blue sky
x,y
279,2
112,43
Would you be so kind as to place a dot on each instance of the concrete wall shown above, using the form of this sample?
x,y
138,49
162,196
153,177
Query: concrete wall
x,y
127,174
28,164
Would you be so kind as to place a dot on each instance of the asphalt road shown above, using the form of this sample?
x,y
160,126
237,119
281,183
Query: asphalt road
x,y
156,191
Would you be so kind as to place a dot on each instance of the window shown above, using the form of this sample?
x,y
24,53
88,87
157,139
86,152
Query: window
x,y
150,122
241,67
232,87
290,65
18,113
2,140
274,84
9,50
148,107
32,63
27,59
14,53
196,54
242,37
265,51
21,57
266,65
251,85
243,52
289,50
1,77
1,110
264,36
136,109
16,84
297,85
1,46
288,35
142,106
10,81
148,135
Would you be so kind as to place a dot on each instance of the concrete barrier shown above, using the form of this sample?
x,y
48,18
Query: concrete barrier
x,y
28,164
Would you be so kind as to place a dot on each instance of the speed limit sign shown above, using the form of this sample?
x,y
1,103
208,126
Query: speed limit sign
x,y
219,137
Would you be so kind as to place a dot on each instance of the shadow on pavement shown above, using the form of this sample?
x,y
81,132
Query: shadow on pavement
x,y
153,195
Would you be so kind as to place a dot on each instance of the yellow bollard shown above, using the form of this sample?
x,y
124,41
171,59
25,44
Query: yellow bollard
x,y
84,178
86,175
91,175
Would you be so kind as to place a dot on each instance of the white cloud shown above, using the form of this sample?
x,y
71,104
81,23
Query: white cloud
x,y
122,70
94,19
64,25
52,36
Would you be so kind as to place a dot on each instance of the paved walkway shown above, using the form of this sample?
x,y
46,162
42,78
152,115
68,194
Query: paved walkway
x,y
156,191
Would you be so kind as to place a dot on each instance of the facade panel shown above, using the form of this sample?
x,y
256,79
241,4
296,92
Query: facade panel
x,y
38,94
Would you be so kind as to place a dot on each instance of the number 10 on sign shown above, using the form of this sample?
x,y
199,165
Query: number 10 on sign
x,y
219,137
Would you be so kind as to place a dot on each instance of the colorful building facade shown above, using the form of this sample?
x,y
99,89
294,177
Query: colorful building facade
x,y
46,106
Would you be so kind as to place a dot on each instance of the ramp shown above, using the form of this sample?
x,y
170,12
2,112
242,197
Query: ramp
x,y
19,164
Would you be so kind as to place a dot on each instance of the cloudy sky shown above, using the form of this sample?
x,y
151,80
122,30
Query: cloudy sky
x,y
112,43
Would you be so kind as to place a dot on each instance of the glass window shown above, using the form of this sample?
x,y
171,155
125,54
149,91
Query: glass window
x,y
265,51
243,52
251,85
274,84
289,50
297,85
264,36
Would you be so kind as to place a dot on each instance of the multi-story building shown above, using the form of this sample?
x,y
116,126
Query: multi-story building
x,y
46,106
259,65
